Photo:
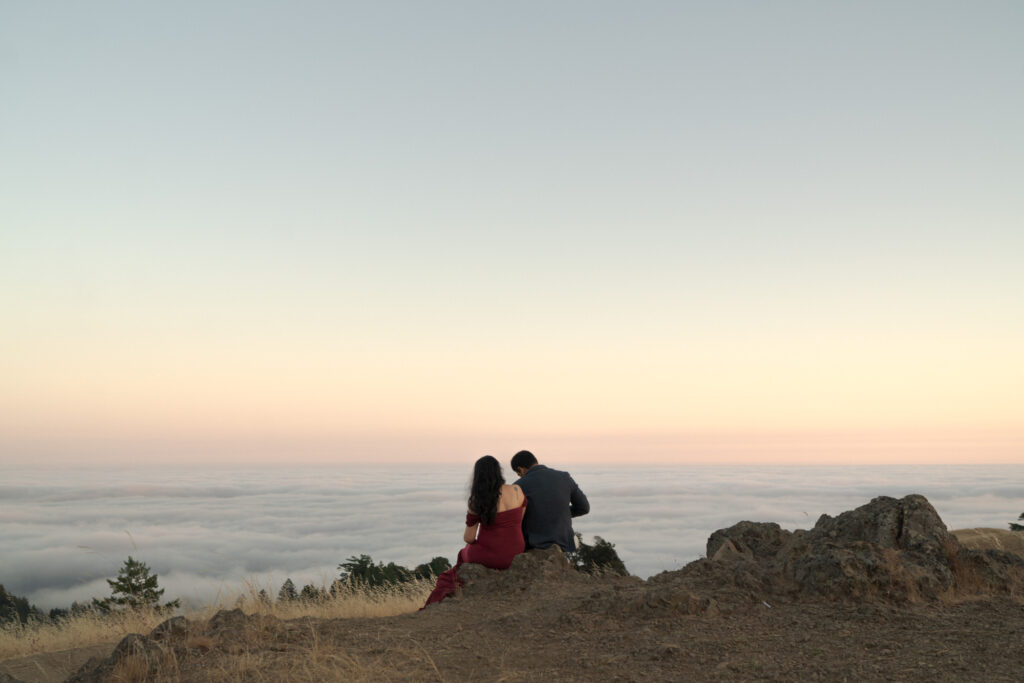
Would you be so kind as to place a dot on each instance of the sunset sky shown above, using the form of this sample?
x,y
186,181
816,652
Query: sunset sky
x,y
651,231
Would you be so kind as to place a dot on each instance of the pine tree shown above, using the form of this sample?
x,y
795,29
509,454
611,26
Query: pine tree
x,y
1018,527
15,609
135,587
311,593
287,591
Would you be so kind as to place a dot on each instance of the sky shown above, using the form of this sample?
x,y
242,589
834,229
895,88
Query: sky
x,y
667,232
211,533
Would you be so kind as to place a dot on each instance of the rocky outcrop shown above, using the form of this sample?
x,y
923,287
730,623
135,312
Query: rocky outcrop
x,y
889,549
136,657
527,569
752,540
145,657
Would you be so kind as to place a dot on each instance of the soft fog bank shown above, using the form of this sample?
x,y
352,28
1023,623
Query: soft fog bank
x,y
208,532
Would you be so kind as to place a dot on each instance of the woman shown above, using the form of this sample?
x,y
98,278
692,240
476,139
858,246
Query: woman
x,y
494,526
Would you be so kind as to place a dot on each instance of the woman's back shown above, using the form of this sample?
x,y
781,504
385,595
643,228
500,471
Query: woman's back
x,y
501,540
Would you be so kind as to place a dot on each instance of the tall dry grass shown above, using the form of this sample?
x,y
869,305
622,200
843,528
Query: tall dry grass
x,y
89,629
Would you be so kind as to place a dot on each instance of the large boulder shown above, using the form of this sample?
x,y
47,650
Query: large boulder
x,y
897,549
135,658
910,523
889,549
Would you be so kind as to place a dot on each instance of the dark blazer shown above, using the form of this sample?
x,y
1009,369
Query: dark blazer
x,y
554,499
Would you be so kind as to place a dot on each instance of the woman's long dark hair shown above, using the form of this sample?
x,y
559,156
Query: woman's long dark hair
x,y
486,488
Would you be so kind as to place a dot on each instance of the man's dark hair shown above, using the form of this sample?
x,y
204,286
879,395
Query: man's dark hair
x,y
523,459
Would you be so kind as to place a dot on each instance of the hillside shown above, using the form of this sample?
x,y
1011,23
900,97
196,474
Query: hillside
x,y
880,592
982,538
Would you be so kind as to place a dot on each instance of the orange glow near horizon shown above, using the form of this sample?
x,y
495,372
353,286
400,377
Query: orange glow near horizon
x,y
715,388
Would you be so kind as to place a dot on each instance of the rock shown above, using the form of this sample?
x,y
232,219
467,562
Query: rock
x,y
909,523
174,629
727,551
754,540
533,566
890,550
896,549
226,620
135,658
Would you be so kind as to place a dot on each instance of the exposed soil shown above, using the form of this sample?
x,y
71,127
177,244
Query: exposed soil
x,y
880,593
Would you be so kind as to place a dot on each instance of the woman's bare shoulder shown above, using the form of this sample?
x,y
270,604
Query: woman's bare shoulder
x,y
510,497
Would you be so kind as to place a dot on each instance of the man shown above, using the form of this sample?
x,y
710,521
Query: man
x,y
553,499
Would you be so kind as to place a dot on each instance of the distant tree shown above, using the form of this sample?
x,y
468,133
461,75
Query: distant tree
x,y
80,608
337,586
263,598
311,593
14,609
362,570
1018,527
135,587
599,558
287,592
432,569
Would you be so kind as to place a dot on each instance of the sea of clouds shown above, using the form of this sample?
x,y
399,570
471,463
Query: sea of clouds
x,y
210,532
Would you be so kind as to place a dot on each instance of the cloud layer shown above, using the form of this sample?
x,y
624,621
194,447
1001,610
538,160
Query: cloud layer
x,y
207,533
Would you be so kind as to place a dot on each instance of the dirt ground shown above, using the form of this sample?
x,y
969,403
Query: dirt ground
x,y
558,635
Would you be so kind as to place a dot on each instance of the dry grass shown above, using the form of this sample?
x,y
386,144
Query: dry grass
x,y
347,603
79,631
996,539
94,629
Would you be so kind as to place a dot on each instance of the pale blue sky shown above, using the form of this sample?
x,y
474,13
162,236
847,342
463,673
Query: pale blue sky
x,y
605,186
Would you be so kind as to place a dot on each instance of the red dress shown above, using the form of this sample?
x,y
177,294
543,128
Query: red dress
x,y
496,544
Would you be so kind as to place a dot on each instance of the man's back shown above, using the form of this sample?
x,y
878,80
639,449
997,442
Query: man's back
x,y
554,499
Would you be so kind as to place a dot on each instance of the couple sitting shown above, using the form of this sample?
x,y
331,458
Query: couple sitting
x,y
503,520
